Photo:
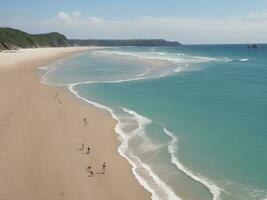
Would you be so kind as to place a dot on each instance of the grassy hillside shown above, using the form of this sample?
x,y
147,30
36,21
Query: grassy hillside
x,y
13,39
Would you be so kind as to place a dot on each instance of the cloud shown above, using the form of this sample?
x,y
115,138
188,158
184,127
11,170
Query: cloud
x,y
65,16
236,29
232,29
257,16
62,16
76,13
95,19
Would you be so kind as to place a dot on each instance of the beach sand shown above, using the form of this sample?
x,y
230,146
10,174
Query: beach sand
x,y
40,136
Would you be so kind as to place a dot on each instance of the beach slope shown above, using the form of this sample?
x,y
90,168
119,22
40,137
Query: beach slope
x,y
41,131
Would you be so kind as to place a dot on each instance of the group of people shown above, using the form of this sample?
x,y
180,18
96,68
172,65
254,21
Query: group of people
x,y
82,148
89,168
91,172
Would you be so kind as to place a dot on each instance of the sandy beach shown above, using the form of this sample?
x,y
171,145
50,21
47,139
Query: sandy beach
x,y
41,131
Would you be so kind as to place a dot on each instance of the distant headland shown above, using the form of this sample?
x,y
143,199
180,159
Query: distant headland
x,y
133,42
14,39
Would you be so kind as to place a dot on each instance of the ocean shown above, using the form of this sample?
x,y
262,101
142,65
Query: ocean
x,y
192,119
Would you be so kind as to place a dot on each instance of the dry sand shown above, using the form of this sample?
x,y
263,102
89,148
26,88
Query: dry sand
x,y
40,138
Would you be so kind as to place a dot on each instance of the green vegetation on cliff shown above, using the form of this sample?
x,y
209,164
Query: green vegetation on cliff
x,y
13,39
150,42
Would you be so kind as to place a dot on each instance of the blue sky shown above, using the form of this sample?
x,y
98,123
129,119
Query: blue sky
x,y
187,21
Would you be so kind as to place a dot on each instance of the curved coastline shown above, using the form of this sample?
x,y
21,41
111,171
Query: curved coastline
x,y
42,132
212,188
169,194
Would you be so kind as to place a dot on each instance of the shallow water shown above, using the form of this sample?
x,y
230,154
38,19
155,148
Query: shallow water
x,y
192,119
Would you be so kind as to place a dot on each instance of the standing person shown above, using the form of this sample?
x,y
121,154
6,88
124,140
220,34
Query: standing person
x,y
88,150
82,148
88,168
91,174
104,167
85,121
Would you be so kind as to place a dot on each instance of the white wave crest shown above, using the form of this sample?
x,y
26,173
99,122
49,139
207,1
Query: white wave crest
x,y
228,60
172,148
144,73
177,58
124,147
243,59
142,123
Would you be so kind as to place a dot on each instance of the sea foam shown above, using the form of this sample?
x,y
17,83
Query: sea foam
x,y
172,148
142,123
176,58
123,148
159,189
243,59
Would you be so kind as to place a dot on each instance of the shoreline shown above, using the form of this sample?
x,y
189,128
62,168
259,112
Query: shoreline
x,y
41,135
213,190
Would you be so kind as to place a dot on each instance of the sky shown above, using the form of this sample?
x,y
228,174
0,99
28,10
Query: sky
x,y
186,21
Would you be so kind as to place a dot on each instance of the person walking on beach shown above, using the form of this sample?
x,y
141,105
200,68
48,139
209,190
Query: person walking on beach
x,y
82,148
55,95
88,168
91,174
88,150
85,121
104,167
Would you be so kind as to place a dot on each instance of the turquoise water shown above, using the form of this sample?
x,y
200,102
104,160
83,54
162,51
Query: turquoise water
x,y
192,119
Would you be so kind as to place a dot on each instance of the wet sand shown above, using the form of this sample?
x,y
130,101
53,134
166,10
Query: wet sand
x,y
41,133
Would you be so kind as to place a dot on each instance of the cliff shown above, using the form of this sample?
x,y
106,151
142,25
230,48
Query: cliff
x,y
14,39
151,42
